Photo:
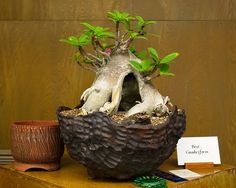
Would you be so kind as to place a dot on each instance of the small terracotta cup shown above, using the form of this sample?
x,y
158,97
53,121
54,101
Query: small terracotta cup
x,y
36,144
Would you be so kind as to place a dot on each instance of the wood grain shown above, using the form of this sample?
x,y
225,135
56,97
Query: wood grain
x,y
35,68
74,175
186,9
37,73
94,9
60,9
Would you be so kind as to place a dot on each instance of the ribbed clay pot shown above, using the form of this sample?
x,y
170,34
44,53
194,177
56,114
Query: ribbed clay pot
x,y
36,144
120,151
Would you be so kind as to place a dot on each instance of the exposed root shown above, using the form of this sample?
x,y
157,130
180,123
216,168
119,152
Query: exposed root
x,y
112,107
107,90
86,93
141,118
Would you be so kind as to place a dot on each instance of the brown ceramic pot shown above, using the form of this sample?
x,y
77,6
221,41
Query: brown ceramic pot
x,y
36,144
120,151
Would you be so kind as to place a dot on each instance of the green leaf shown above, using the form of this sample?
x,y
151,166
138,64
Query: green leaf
x,y
133,34
112,20
99,32
132,49
127,25
66,41
146,65
141,37
71,40
88,25
140,20
104,45
117,16
84,40
169,58
164,70
75,41
120,17
108,34
153,54
77,57
142,55
87,61
167,74
136,65
150,22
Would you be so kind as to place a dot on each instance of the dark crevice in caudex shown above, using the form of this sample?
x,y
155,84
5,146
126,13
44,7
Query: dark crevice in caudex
x,y
130,93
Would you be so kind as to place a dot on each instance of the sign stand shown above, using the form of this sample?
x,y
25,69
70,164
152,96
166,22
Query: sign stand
x,y
202,165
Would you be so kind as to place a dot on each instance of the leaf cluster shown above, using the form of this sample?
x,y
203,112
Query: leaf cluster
x,y
83,40
97,31
88,35
154,63
101,33
120,17
134,29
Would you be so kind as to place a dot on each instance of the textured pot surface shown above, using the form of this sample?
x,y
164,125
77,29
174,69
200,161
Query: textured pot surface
x,y
36,142
121,151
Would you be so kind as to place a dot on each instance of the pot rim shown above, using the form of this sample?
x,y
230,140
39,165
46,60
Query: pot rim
x,y
174,110
36,123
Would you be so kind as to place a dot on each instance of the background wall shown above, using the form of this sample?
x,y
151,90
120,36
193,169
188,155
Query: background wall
x,y
37,73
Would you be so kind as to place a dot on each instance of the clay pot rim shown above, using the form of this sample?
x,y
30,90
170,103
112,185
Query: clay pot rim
x,y
135,126
36,123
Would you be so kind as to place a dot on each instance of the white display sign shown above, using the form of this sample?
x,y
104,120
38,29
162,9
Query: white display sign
x,y
198,149
185,173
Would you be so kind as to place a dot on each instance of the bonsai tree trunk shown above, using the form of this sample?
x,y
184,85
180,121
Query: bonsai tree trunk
x,y
122,83
109,91
122,80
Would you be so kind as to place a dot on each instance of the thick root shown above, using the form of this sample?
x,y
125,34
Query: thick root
x,y
112,107
106,92
149,108
86,93
95,98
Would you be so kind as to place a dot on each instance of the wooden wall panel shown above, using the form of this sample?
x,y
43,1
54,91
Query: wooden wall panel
x,y
94,9
204,84
60,9
186,9
37,73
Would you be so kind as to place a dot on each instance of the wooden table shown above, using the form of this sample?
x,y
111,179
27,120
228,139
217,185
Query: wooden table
x,y
74,175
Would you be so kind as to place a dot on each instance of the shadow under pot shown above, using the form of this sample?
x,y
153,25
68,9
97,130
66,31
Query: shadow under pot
x,y
36,145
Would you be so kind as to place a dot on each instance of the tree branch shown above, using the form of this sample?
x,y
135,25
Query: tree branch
x,y
99,44
94,45
123,37
117,32
85,67
94,57
104,54
130,39
152,76
85,56
127,43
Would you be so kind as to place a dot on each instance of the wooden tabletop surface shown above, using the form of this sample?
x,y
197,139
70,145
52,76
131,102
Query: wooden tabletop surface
x,y
74,175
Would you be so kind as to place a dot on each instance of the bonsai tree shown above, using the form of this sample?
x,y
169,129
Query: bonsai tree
x,y
123,75
117,146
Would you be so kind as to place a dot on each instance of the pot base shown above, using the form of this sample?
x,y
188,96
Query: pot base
x,y
44,166
120,151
